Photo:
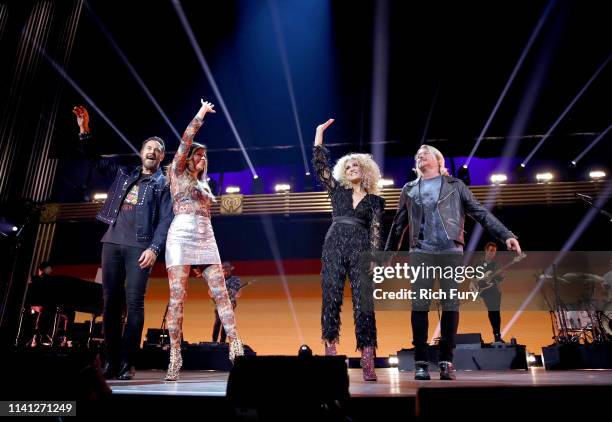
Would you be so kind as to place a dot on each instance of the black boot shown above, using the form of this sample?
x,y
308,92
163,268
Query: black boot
x,y
421,370
109,369
498,338
447,370
126,371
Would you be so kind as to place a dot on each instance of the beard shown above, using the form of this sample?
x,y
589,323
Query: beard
x,y
150,164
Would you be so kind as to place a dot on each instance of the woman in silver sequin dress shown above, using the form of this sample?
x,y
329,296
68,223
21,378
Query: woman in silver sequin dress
x,y
191,242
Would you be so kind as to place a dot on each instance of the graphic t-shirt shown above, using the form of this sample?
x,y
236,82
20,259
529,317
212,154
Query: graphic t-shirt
x,y
123,232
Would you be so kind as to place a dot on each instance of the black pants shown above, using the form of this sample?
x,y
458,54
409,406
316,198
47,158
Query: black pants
x,y
492,300
124,284
341,258
420,307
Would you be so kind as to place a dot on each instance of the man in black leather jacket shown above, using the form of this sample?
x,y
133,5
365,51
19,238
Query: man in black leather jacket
x,y
138,211
430,220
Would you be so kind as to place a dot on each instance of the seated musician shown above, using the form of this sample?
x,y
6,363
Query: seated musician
x,y
44,317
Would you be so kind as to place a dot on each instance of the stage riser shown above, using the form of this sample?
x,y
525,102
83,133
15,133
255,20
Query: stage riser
x,y
597,356
209,356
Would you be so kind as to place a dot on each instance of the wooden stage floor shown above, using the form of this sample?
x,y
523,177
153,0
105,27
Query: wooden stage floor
x,y
391,382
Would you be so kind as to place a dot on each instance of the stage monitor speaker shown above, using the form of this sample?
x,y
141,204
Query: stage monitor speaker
x,y
468,341
156,337
270,387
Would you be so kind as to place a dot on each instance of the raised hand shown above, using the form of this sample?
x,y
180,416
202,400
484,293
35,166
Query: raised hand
x,y
82,116
207,107
320,129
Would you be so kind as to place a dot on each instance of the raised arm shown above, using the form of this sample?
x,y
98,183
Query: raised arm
x,y
82,117
180,158
320,159
107,166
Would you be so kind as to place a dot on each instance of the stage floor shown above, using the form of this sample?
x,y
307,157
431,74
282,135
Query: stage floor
x,y
391,382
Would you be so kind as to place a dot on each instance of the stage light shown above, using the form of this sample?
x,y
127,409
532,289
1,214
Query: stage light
x,y
211,80
597,174
534,360
100,197
574,163
14,228
592,144
544,177
385,183
523,165
393,360
309,184
232,189
567,109
498,179
464,174
517,66
305,351
282,187
307,173
257,187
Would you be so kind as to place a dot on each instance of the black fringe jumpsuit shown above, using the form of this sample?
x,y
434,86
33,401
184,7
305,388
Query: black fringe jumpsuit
x,y
355,231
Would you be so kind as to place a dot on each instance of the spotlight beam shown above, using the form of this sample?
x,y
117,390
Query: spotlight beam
x,y
591,145
135,74
517,130
517,67
569,244
280,40
62,72
380,77
567,109
211,80
271,237
431,108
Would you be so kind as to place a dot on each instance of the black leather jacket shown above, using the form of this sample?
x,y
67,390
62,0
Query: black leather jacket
x,y
153,211
455,201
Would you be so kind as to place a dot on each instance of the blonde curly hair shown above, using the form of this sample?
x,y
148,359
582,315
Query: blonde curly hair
x,y
371,172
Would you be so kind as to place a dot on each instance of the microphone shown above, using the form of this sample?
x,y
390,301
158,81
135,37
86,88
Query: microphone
x,y
583,196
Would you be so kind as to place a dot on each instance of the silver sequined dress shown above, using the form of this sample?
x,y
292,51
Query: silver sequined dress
x,y
191,240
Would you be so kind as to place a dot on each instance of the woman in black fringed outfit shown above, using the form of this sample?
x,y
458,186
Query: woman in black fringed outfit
x,y
356,229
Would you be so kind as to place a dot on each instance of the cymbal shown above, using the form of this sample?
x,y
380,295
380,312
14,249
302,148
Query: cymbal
x,y
584,277
552,277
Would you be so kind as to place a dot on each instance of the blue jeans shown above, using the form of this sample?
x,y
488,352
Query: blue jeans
x,y
124,284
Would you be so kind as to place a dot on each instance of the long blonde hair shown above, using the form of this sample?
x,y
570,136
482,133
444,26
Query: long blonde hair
x,y
371,172
439,158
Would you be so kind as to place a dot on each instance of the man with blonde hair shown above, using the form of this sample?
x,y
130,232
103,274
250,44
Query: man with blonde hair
x,y
431,214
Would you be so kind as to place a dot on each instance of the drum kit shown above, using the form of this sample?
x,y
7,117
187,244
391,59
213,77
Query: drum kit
x,y
581,311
